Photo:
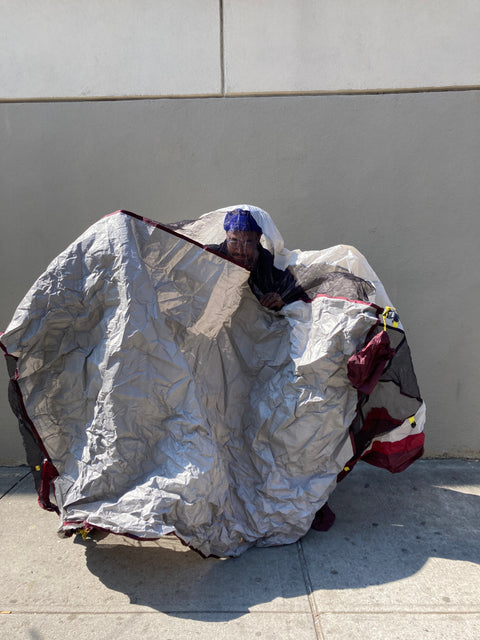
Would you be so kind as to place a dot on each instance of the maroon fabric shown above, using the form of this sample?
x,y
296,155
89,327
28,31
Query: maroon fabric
x,y
324,519
366,366
49,472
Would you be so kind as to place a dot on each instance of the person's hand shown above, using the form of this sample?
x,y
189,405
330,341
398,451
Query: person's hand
x,y
272,301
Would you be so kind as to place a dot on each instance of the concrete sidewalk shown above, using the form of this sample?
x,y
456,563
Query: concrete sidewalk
x,y
401,562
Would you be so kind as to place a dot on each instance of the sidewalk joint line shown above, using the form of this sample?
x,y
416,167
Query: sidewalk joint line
x,y
309,588
170,612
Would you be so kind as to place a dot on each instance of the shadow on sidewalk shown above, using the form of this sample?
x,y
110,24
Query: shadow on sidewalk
x,y
180,582
387,528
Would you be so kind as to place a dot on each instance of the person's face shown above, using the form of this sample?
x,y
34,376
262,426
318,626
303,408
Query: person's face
x,y
242,246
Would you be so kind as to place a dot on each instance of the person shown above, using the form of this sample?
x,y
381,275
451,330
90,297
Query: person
x,y
274,288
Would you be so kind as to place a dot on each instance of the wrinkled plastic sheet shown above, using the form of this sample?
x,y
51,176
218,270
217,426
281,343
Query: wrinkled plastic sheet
x,y
168,400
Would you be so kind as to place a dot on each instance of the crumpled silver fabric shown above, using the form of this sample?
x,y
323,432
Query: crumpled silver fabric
x,y
169,400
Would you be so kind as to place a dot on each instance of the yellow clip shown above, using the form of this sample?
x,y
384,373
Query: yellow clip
x,y
412,421
346,468
389,312
83,532
37,467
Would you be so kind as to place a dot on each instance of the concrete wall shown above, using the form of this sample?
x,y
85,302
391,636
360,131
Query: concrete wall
x,y
116,48
393,172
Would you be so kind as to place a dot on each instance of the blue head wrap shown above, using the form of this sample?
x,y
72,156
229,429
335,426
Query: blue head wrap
x,y
241,220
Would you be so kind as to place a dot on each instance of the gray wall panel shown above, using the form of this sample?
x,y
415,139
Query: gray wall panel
x,y
394,175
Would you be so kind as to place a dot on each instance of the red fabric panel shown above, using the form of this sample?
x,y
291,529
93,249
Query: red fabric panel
x,y
396,456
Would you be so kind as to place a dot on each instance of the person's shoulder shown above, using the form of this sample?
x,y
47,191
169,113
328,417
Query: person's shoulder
x,y
265,255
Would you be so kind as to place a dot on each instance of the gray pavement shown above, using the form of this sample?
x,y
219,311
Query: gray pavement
x,y
401,562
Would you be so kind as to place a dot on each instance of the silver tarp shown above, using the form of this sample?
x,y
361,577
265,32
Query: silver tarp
x,y
169,400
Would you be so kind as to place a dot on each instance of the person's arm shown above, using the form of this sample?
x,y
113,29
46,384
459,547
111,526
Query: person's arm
x,y
272,300
274,287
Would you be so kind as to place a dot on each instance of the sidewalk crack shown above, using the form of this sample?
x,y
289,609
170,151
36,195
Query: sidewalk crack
x,y
309,588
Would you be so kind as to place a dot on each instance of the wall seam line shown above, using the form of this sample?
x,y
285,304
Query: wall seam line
x,y
222,48
209,96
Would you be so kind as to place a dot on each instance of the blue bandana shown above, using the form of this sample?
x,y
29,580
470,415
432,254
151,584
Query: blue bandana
x,y
240,220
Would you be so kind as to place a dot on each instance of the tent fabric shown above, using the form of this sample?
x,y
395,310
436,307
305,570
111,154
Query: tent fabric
x,y
156,395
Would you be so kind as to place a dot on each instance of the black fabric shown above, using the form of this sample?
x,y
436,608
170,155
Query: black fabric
x,y
330,280
401,371
266,278
35,455
397,389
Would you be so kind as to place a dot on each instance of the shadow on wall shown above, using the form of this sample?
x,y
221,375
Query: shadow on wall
x,y
387,528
